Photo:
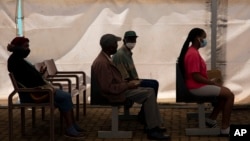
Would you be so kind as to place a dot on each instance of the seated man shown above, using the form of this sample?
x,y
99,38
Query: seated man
x,y
123,60
112,86
29,77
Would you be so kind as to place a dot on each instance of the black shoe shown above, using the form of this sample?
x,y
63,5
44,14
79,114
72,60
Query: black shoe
x,y
79,129
156,135
75,136
159,129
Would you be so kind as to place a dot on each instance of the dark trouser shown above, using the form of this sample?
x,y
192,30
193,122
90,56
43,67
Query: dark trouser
x,y
151,83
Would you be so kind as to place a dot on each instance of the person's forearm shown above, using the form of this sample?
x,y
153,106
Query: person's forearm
x,y
200,79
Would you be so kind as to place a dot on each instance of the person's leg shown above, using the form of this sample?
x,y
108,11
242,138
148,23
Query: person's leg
x,y
64,102
216,110
225,103
150,83
228,97
146,97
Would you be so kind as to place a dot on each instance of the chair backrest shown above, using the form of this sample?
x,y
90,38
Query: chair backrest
x,y
51,66
181,89
13,81
24,98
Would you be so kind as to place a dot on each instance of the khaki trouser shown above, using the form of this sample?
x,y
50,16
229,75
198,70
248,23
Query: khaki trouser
x,y
146,96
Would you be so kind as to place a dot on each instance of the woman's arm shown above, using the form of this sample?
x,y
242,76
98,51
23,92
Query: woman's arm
x,y
200,79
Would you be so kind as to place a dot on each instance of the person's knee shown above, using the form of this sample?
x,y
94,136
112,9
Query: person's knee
x,y
151,92
155,82
226,92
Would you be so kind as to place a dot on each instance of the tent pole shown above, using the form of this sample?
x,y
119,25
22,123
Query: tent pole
x,y
19,18
214,8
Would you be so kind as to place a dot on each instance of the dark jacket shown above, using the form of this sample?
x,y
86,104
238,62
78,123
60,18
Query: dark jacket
x,y
24,73
107,80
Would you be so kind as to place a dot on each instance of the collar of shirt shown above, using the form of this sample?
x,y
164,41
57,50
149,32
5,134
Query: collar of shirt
x,y
126,50
107,56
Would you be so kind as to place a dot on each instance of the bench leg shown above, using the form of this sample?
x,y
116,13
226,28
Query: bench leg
x,y
127,115
115,133
202,129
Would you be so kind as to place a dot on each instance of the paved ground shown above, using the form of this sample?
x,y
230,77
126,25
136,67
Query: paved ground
x,y
99,118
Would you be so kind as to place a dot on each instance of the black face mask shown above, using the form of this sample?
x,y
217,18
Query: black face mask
x,y
23,53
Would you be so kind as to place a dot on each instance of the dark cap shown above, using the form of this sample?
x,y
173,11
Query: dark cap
x,y
19,41
130,34
16,43
108,39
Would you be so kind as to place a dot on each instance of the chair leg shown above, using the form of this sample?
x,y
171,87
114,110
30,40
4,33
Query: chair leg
x,y
10,123
202,129
77,107
43,113
33,117
23,120
52,124
84,103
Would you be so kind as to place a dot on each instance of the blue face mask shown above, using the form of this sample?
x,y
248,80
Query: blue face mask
x,y
203,43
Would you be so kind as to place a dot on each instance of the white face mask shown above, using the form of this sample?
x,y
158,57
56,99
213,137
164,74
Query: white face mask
x,y
130,45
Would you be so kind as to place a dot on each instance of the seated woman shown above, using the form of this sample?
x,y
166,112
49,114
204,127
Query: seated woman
x,y
194,70
29,77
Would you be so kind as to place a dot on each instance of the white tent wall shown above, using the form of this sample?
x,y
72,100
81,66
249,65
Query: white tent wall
x,y
69,31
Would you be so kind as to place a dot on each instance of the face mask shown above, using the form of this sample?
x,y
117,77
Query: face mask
x,y
203,43
23,52
130,45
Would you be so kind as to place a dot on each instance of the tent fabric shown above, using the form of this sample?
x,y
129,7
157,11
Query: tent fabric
x,y
69,32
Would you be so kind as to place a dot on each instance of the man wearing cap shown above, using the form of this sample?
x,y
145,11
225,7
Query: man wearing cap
x,y
123,60
108,79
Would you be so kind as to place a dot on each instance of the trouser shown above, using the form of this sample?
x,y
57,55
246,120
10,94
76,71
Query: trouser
x,y
146,96
150,83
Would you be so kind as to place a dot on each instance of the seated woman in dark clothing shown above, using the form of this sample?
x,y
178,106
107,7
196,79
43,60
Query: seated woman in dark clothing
x,y
29,77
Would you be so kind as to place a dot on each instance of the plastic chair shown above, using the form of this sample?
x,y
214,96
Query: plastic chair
x,y
22,106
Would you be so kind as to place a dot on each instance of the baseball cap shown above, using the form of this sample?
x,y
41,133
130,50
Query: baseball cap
x,y
108,39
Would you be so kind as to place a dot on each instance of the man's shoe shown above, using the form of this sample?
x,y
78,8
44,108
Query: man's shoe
x,y
75,136
161,129
156,135
79,129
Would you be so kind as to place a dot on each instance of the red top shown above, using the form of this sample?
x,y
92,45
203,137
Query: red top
x,y
194,63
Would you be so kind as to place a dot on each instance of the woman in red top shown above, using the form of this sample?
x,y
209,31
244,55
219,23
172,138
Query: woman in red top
x,y
194,70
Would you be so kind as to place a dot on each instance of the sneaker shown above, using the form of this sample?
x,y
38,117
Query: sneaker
x,y
211,123
225,132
